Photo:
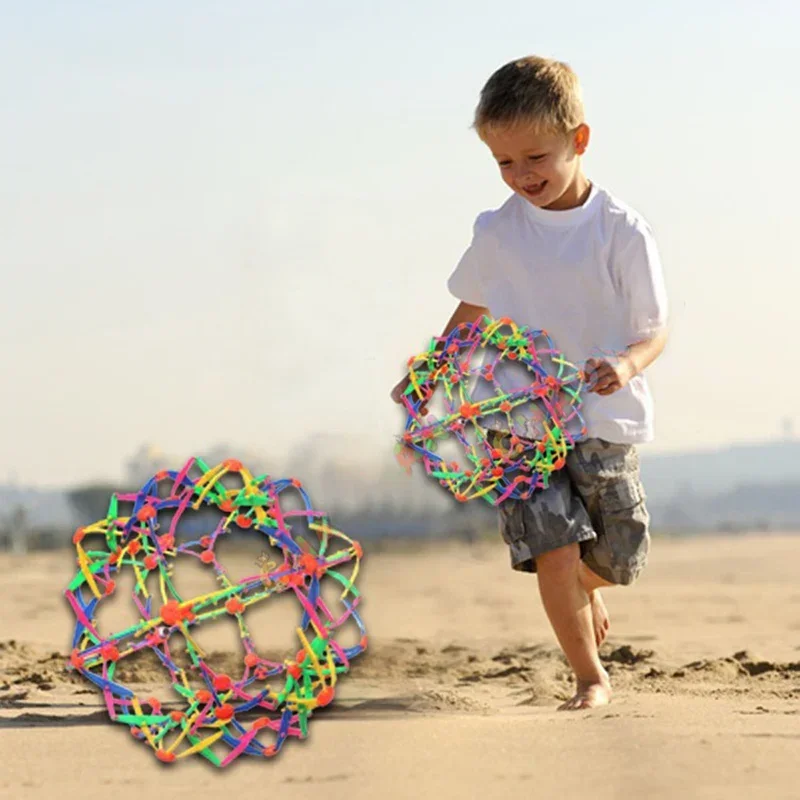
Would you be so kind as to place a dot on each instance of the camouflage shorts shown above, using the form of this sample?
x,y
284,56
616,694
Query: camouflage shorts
x,y
597,501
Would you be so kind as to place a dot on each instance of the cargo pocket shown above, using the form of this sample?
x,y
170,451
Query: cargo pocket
x,y
514,533
619,497
625,522
511,517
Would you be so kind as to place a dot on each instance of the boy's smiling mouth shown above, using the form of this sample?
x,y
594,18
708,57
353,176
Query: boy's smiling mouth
x,y
534,189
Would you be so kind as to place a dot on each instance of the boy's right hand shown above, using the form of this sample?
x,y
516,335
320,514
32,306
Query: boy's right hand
x,y
399,391
464,313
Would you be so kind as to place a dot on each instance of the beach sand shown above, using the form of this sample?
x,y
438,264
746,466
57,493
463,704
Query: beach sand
x,y
456,695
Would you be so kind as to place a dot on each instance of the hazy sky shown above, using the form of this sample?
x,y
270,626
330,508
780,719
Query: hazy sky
x,y
234,221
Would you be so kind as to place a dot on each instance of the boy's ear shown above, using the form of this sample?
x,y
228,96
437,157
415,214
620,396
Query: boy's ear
x,y
581,138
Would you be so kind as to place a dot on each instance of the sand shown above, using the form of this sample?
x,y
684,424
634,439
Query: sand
x,y
457,693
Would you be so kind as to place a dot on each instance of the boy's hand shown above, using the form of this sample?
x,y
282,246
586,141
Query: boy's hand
x,y
605,378
399,390
465,312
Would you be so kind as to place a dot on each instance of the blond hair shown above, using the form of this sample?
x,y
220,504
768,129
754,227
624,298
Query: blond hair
x,y
532,91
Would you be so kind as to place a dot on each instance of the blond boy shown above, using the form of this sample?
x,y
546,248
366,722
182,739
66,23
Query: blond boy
x,y
564,255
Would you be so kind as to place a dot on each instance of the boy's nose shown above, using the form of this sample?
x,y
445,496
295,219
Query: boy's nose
x,y
524,175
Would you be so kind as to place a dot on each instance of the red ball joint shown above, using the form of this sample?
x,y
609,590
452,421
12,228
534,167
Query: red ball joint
x,y
234,606
145,513
109,652
170,613
325,697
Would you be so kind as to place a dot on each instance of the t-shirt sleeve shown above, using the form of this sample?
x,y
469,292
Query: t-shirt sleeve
x,y
642,281
465,282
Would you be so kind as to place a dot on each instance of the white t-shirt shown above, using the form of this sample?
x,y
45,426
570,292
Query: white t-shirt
x,y
590,276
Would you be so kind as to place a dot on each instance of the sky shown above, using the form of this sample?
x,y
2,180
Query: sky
x,y
235,222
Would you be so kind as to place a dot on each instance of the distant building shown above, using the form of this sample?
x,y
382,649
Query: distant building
x,y
34,518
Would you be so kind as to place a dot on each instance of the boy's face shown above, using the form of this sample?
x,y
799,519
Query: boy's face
x,y
543,167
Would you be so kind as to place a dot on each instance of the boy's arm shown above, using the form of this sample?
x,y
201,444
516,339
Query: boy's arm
x,y
641,278
465,312
607,378
641,355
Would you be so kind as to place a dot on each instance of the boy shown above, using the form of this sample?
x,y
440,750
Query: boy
x,y
563,255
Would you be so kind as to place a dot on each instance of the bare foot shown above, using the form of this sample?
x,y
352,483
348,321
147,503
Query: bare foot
x,y
599,617
590,694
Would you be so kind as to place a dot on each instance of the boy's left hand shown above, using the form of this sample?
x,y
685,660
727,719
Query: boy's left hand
x,y
605,378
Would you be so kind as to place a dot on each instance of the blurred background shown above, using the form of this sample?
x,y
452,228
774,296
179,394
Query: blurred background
x,y
225,227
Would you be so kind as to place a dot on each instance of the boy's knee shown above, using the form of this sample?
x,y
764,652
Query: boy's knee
x,y
563,559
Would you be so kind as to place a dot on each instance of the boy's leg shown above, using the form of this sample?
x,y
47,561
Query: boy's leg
x,y
569,610
591,581
550,520
592,584
606,476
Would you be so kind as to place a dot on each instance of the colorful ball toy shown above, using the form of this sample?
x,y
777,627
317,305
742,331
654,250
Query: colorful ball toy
x,y
511,437
244,713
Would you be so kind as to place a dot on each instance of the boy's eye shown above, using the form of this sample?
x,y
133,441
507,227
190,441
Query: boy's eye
x,y
536,158
504,163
